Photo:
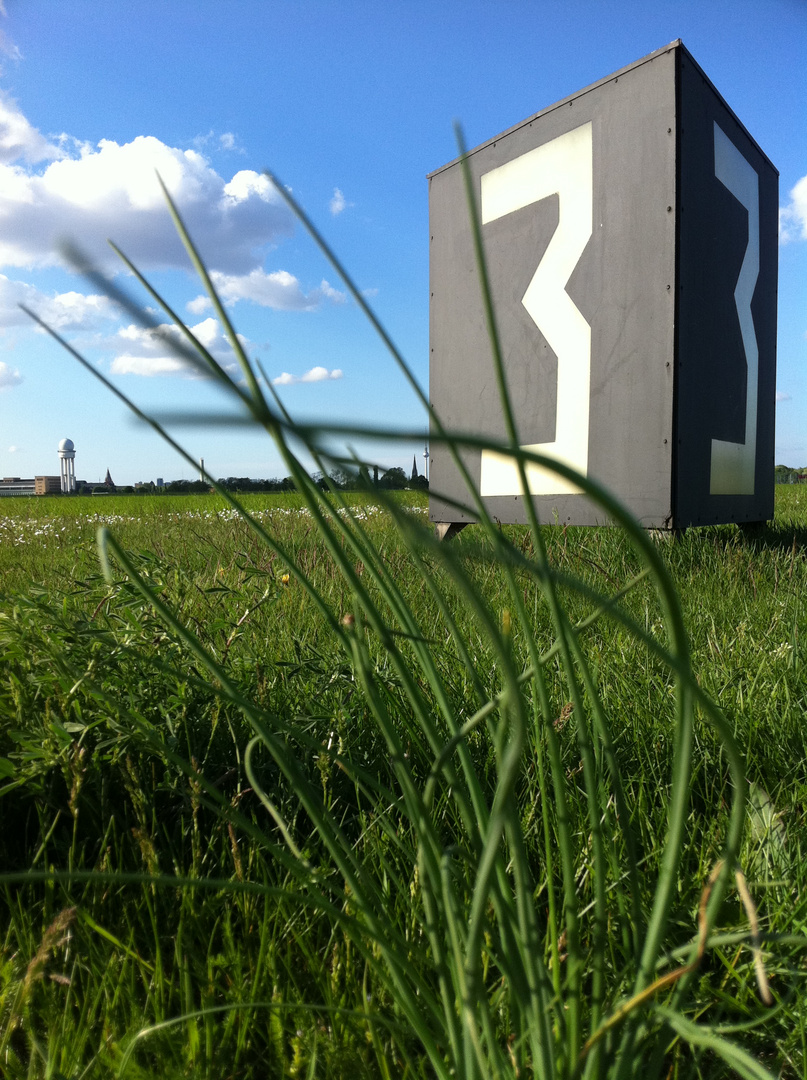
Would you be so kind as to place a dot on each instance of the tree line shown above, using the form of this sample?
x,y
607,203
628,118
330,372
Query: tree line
x,y
785,475
394,479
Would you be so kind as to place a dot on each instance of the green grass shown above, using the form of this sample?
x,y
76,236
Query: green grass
x,y
50,537
99,729
290,789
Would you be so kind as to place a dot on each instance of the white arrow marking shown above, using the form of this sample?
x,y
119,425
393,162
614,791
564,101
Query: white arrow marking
x,y
563,167
734,464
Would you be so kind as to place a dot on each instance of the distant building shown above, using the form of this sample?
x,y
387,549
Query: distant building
x,y
47,485
64,484
14,485
67,455
37,485
109,482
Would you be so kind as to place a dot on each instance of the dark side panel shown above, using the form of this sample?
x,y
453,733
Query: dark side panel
x,y
726,368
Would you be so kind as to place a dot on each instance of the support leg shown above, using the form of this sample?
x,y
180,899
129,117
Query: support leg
x,y
447,530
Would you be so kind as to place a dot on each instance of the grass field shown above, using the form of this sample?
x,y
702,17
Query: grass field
x,y
293,790
173,904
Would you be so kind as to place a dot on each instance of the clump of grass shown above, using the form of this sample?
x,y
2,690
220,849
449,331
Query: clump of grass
x,y
445,833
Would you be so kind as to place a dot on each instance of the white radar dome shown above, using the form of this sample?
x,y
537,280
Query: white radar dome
x,y
66,444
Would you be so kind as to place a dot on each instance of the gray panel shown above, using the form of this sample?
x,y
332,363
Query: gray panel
x,y
676,179
712,370
623,285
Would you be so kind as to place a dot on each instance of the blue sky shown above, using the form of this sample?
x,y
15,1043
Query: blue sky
x,y
351,104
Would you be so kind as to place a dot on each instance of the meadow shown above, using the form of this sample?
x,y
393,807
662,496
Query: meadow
x,y
154,922
291,789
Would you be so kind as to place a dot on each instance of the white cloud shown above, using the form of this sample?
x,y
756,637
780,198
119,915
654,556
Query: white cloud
x,y
780,396
793,217
8,376
337,203
149,352
7,46
56,187
246,182
126,364
13,449
112,191
19,140
316,374
320,374
330,293
75,311
226,141
62,311
279,289
198,305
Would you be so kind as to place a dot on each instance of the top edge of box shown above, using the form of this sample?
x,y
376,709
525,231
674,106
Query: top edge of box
x,y
678,43
691,59
673,46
